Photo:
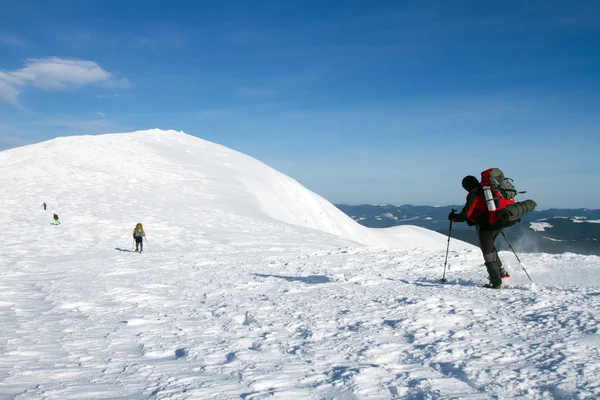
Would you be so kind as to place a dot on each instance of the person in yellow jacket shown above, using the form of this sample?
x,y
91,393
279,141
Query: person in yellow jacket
x,y
138,236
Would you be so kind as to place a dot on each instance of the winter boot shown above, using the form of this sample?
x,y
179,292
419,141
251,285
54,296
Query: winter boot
x,y
503,272
490,286
493,269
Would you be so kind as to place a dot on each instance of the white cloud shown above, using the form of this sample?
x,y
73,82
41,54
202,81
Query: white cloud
x,y
100,113
9,92
55,74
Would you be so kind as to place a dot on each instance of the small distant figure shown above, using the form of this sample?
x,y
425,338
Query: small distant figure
x,y
44,205
138,236
56,221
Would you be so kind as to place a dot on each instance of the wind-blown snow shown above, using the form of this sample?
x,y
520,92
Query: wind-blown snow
x,y
555,240
252,287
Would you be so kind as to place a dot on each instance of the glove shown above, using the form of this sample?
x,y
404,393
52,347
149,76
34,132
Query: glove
x,y
452,216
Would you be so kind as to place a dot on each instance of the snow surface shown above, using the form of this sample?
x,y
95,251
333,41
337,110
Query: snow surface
x,y
252,287
581,220
540,226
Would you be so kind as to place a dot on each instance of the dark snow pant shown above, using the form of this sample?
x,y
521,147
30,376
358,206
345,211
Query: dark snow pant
x,y
139,241
487,238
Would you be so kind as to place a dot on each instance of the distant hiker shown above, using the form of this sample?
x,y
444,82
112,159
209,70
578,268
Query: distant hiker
x,y
56,221
44,205
491,207
138,236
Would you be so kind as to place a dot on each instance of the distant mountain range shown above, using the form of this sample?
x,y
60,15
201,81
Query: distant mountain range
x,y
549,231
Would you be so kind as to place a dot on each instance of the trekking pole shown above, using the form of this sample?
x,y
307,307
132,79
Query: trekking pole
x,y
515,253
444,280
147,245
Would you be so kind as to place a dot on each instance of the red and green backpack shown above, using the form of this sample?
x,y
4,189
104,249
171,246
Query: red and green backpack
x,y
501,193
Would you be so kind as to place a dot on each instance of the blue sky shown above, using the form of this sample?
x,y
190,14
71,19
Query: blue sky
x,y
360,101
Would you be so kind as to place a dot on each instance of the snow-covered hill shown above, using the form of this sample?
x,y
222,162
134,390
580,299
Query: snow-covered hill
x,y
176,184
252,287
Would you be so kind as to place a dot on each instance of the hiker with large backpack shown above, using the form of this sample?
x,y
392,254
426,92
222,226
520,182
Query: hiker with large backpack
x,y
138,236
491,207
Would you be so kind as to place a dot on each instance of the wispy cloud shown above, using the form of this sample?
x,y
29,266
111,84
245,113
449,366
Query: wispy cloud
x,y
246,37
10,39
159,38
253,92
10,137
9,141
53,74
100,113
269,88
9,91
80,126
162,39
112,95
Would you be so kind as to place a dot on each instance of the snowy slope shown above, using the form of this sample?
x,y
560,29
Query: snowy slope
x,y
177,183
252,287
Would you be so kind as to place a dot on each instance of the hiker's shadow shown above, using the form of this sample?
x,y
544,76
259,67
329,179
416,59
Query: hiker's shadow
x,y
424,282
310,279
123,250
